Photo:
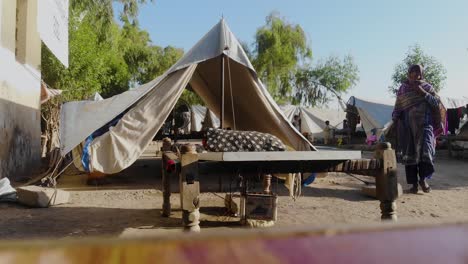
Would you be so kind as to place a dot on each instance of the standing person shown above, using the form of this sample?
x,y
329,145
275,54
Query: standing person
x,y
186,125
418,115
326,132
345,126
297,122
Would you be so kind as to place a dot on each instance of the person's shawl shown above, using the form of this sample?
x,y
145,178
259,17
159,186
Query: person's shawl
x,y
408,97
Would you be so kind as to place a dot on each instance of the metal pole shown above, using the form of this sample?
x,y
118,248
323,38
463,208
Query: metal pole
x,y
222,93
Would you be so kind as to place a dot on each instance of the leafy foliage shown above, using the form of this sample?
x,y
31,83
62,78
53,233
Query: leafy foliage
x,y
314,84
105,57
191,98
279,49
87,70
282,59
434,71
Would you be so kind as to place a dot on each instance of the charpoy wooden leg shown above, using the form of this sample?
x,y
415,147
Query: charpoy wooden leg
x,y
267,183
169,168
387,181
189,192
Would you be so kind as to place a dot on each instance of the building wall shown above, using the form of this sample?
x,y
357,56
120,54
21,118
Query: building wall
x,y
20,54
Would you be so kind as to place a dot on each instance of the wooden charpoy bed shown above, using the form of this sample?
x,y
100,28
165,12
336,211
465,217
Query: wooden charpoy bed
x,y
192,166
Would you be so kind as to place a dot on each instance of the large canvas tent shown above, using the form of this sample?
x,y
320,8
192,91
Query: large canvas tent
x,y
139,113
313,119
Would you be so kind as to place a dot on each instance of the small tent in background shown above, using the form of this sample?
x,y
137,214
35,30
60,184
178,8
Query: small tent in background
x,y
137,115
313,119
96,97
454,103
373,114
201,114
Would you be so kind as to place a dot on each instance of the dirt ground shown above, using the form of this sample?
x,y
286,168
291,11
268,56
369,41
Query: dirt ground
x,y
130,205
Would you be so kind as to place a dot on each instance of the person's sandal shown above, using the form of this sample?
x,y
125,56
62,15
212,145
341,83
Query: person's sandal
x,y
414,189
424,186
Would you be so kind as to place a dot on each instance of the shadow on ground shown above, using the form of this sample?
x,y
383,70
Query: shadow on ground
x,y
56,222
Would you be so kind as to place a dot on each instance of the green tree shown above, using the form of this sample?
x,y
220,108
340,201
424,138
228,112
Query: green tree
x,y
434,71
105,57
87,70
280,48
190,97
314,85
160,60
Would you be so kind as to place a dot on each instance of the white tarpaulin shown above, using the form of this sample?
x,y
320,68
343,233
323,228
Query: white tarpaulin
x,y
143,110
374,114
202,114
313,119
454,102
80,119
125,142
52,25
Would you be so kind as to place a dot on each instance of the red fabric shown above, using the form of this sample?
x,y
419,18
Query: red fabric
x,y
170,166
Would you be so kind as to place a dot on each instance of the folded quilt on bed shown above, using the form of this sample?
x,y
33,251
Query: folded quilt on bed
x,y
220,140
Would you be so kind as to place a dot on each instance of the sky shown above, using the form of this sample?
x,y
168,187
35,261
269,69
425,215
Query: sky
x,y
376,33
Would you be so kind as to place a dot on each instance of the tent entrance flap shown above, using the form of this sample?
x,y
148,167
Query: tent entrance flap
x,y
123,144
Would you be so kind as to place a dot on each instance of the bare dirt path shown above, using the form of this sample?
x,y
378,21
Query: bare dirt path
x,y
131,204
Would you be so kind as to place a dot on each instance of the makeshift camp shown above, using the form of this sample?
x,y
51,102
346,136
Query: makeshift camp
x,y
313,119
117,130
373,114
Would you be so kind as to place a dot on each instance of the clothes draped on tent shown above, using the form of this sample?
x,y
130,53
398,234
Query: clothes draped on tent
x,y
455,112
148,106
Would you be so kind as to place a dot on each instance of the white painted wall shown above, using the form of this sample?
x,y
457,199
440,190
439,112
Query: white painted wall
x,y
20,133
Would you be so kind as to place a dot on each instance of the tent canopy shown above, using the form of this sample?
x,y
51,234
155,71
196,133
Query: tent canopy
x,y
143,110
313,119
374,114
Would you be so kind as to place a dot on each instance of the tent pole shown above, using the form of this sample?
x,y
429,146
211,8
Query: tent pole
x,y
222,93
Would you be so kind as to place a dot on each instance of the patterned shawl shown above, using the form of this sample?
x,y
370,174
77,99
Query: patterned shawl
x,y
408,96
